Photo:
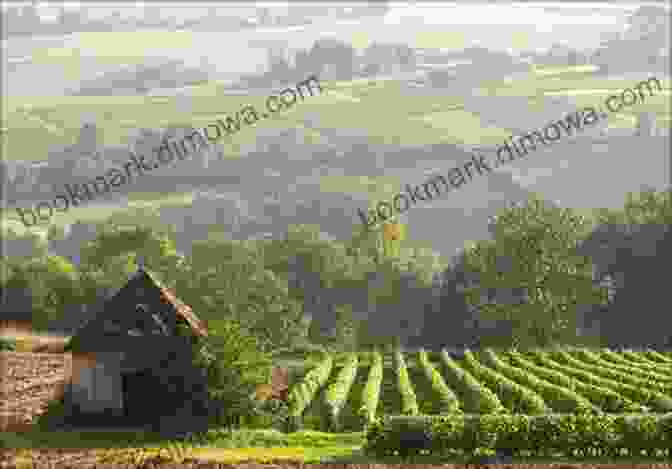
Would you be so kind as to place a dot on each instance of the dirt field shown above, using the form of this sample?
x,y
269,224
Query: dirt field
x,y
29,382
87,459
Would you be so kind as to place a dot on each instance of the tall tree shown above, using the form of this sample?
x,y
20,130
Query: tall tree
x,y
533,256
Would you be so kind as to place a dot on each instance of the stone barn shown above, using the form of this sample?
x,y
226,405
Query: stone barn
x,y
131,363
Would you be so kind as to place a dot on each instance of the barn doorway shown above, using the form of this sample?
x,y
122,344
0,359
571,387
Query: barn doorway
x,y
143,403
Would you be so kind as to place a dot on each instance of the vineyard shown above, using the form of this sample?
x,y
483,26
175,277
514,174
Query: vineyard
x,y
349,391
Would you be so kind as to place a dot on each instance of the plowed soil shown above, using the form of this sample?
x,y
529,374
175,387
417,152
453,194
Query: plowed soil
x,y
28,382
70,459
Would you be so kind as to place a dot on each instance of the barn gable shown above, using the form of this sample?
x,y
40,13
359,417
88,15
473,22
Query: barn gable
x,y
116,352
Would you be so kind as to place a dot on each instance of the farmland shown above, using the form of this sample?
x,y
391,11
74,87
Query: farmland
x,y
339,401
486,382
615,403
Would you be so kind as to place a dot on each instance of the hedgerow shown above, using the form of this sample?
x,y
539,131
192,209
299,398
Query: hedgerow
x,y
568,435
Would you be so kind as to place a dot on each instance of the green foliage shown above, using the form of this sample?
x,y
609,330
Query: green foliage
x,y
604,398
53,283
532,259
559,398
646,207
409,401
564,435
303,393
234,364
371,391
337,392
448,399
126,244
7,345
635,389
478,399
516,398
659,379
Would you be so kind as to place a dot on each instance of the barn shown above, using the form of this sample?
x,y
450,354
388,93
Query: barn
x,y
122,355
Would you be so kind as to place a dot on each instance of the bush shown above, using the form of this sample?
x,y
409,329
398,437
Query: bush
x,y
234,365
569,435
7,345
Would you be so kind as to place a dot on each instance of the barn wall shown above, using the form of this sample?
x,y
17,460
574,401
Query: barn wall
x,y
96,382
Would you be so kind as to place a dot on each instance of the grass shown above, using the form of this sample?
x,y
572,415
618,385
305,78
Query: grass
x,y
268,445
223,446
28,342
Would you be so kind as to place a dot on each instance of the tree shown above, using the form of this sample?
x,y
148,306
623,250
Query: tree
x,y
157,250
530,274
235,364
630,248
54,285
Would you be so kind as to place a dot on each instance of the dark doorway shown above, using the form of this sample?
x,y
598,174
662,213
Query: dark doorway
x,y
143,403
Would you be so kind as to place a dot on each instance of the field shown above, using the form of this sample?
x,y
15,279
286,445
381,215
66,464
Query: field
x,y
492,382
334,397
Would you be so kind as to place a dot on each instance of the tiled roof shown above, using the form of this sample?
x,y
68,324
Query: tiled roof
x,y
184,311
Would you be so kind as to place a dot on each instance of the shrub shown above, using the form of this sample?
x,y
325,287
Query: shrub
x,y
7,345
568,435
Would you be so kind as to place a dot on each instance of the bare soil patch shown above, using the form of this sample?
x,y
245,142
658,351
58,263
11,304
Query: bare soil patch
x,y
91,458
29,382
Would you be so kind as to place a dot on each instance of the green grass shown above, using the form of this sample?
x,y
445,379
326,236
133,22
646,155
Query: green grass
x,y
267,445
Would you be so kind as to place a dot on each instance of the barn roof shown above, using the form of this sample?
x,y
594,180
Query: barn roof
x,y
183,310
166,296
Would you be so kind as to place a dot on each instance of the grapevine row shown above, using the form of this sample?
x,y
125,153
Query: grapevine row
x,y
637,359
515,397
336,394
662,381
449,401
558,398
304,392
601,371
409,401
478,399
371,392
604,398
658,357
639,394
